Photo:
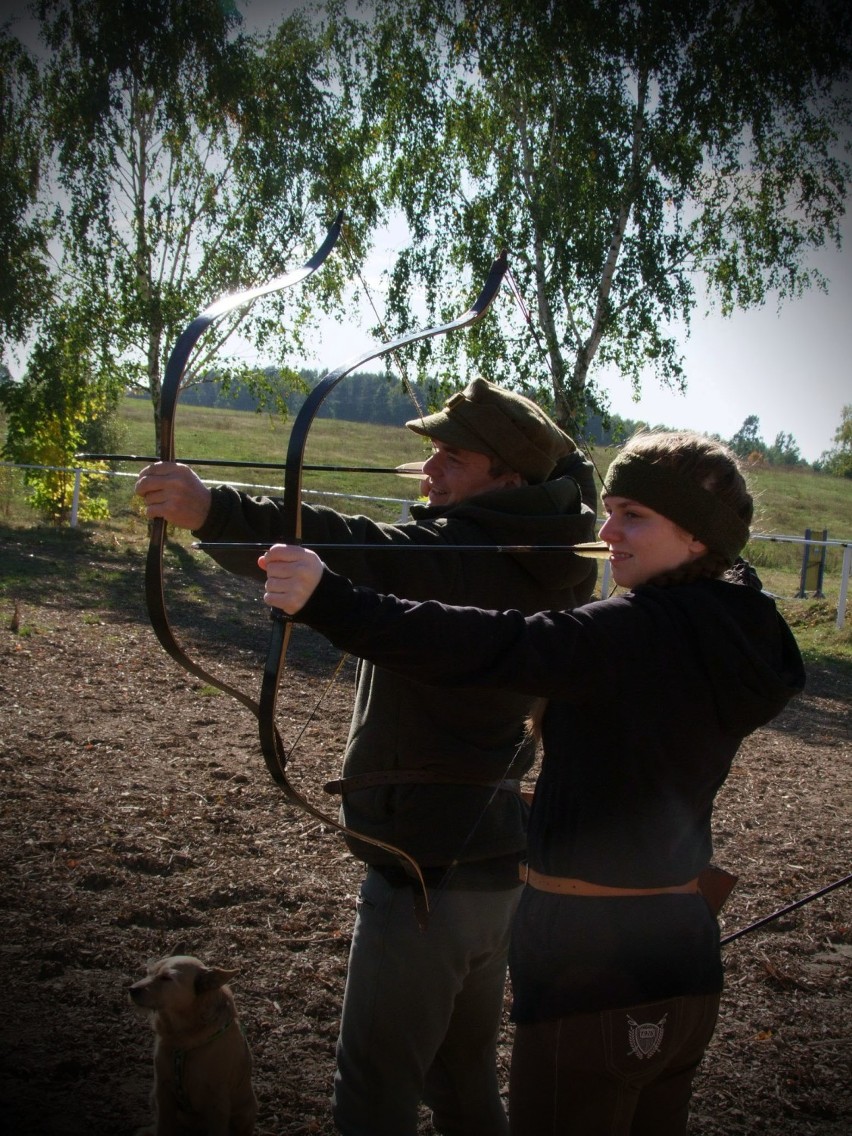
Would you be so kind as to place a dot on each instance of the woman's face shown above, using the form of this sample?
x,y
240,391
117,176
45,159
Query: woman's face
x,y
644,543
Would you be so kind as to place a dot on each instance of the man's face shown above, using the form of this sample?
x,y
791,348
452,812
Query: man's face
x,y
453,475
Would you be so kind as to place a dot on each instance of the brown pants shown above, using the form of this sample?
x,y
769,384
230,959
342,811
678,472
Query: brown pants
x,y
625,1072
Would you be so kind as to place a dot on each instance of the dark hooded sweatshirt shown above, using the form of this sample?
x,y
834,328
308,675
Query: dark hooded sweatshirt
x,y
650,695
400,724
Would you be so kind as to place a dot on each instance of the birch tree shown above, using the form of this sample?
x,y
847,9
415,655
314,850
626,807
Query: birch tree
x,y
24,223
630,156
191,160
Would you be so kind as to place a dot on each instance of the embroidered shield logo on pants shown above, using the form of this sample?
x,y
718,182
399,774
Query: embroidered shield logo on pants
x,y
646,1039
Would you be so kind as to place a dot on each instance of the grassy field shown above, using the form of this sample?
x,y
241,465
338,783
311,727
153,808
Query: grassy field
x,y
788,501
242,436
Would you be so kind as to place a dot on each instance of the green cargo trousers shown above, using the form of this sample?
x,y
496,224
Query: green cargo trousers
x,y
422,1012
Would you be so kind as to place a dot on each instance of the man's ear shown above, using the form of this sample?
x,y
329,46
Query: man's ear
x,y
696,548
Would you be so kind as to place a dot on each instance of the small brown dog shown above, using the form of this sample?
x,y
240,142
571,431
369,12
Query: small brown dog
x,y
202,1062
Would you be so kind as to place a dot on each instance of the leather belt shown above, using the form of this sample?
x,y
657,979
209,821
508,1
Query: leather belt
x,y
379,777
566,885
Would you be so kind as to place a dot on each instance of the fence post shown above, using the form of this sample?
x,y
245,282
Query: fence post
x,y
605,579
844,586
806,552
823,554
813,567
75,500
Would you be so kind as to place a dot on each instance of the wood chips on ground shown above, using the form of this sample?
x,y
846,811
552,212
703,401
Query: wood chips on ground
x,y
138,820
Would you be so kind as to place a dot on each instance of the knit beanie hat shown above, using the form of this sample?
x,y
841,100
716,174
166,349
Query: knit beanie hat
x,y
504,425
696,509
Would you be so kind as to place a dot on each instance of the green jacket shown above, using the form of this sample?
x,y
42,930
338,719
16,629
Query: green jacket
x,y
402,725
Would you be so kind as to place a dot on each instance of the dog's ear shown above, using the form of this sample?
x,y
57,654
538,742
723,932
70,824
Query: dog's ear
x,y
211,978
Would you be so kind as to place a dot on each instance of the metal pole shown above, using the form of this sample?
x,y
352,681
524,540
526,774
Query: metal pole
x,y
823,552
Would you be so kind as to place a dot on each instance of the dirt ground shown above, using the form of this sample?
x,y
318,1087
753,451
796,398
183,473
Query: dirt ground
x,y
139,821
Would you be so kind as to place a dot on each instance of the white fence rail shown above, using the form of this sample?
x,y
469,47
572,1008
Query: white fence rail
x,y
405,503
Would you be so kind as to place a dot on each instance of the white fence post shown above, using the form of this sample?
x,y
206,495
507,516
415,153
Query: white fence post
x,y
605,579
844,585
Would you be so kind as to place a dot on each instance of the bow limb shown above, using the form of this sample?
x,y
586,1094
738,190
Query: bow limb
x,y
154,583
274,752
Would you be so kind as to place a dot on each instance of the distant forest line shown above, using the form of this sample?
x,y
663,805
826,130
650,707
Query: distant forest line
x,y
363,397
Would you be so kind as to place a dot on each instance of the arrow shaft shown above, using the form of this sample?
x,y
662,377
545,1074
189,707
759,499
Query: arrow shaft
x,y
145,460
594,551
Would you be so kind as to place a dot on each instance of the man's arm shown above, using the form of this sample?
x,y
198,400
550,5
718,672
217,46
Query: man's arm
x,y
174,492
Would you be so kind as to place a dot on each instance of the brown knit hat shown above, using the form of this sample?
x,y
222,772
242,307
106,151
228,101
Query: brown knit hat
x,y
679,497
504,425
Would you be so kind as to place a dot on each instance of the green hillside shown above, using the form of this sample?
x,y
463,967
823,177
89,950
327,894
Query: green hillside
x,y
788,500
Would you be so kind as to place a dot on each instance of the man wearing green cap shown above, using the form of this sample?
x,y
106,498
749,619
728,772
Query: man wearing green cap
x,y
422,1007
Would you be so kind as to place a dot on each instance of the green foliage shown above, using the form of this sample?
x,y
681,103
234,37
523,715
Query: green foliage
x,y
843,433
193,161
363,397
838,461
49,415
747,440
784,450
24,227
621,151
748,445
